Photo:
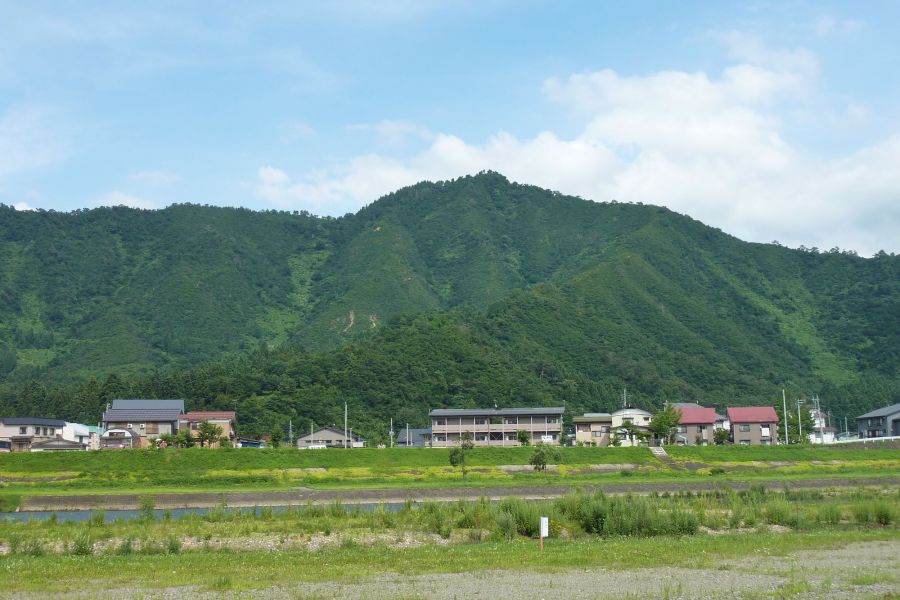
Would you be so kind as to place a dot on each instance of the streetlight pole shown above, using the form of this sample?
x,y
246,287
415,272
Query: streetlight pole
x,y
787,440
799,422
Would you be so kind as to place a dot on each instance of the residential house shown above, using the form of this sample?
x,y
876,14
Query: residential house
x,y
22,432
330,437
697,425
149,418
630,426
822,432
593,429
414,438
883,422
753,425
82,434
495,427
225,419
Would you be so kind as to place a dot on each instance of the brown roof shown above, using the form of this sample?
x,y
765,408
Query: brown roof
x,y
208,415
752,414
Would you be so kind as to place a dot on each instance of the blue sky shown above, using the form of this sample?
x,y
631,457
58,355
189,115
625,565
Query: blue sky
x,y
768,120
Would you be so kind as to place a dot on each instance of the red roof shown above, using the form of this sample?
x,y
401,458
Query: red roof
x,y
752,414
697,415
212,415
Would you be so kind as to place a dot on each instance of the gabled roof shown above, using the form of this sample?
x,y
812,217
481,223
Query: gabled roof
x,y
208,415
355,437
33,421
632,411
691,415
495,412
881,412
752,414
143,403
124,415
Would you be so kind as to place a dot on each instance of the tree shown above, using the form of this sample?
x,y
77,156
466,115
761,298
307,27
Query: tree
x,y
184,439
458,453
207,433
275,438
664,424
720,437
524,437
544,454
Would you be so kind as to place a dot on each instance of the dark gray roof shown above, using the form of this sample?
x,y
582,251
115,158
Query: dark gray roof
x,y
494,412
58,444
136,403
123,415
414,434
881,412
43,422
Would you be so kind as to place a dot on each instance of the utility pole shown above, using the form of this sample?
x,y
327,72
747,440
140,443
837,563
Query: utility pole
x,y
290,432
345,426
787,440
799,422
407,435
391,432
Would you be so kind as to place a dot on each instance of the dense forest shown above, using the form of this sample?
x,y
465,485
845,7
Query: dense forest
x,y
470,292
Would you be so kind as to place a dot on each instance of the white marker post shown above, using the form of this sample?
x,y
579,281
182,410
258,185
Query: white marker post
x,y
545,530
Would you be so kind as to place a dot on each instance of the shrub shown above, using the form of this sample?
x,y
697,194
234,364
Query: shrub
x,y
82,545
829,514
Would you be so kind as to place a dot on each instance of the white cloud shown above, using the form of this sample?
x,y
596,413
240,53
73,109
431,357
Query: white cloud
x,y
22,206
155,178
829,25
120,199
30,138
396,133
711,146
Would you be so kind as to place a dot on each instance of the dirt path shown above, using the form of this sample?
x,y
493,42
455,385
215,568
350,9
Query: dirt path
x,y
860,570
304,496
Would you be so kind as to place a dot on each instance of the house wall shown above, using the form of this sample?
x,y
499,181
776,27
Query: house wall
x,y
331,439
148,430
596,433
756,434
226,424
28,435
888,425
691,431
489,430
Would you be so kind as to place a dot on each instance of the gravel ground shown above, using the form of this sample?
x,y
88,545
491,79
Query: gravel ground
x,y
861,570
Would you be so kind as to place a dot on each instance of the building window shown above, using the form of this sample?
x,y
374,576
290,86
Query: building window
x,y
481,421
596,434
701,428
681,429
605,429
552,420
511,421
23,430
511,437
481,437
496,421
743,427
744,442
440,422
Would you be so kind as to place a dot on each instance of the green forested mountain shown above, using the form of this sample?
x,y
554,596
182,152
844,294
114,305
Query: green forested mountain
x,y
475,291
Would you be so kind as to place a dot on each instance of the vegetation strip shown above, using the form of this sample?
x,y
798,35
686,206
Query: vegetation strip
x,y
262,498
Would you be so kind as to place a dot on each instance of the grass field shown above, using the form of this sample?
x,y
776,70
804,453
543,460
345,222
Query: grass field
x,y
222,551
172,470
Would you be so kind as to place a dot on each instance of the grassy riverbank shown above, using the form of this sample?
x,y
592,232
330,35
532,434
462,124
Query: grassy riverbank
x,y
201,470
222,551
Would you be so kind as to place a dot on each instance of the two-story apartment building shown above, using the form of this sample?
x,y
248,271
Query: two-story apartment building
x,y
753,425
495,427
883,422
593,429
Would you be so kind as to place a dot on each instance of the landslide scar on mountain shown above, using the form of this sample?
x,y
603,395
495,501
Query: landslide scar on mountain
x,y
352,321
373,320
